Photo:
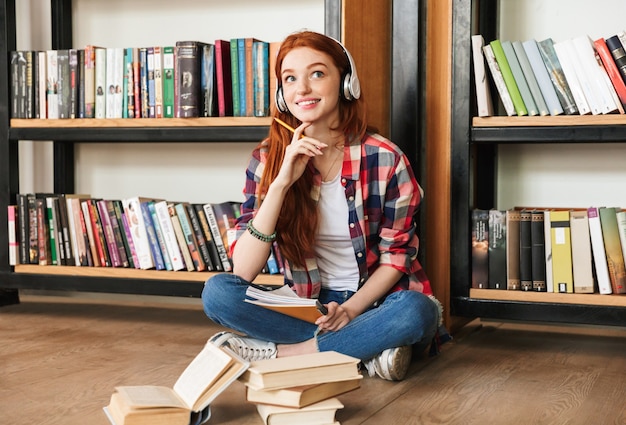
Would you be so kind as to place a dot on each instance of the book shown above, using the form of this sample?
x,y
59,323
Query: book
x,y
90,81
52,84
75,72
303,395
100,82
531,80
109,235
306,369
555,71
598,250
12,234
150,82
127,241
188,57
497,249
320,413
571,70
64,231
128,90
582,261
613,249
618,53
520,80
224,78
525,251
208,81
190,237
169,235
561,251
180,237
543,78
260,78
498,79
205,378
234,76
158,82
483,92
168,81
95,257
242,76
158,232
98,233
137,82
144,104
284,300
217,238
512,250
480,248
273,57
538,260
596,75
63,83
153,242
78,230
137,225
621,226
214,256
42,71
196,227
43,233
547,235
611,69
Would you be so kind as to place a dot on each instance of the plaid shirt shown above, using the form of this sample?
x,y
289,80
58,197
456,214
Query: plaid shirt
x,y
383,197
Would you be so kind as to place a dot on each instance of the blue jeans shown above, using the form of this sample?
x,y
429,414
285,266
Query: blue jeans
x,y
403,318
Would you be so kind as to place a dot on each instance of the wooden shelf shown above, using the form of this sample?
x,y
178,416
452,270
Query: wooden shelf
x,y
125,273
549,121
548,297
141,122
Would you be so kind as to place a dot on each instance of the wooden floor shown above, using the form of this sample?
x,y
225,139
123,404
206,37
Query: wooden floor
x,y
60,359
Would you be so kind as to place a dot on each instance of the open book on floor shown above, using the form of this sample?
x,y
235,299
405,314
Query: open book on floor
x,y
208,374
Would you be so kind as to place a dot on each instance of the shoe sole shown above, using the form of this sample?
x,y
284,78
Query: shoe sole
x,y
398,363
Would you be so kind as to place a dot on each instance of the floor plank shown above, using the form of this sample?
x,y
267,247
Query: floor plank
x,y
60,359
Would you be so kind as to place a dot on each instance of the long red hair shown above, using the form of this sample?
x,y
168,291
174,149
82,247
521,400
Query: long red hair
x,y
298,220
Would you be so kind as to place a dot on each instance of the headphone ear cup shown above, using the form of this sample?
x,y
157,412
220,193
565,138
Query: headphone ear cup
x,y
346,89
281,105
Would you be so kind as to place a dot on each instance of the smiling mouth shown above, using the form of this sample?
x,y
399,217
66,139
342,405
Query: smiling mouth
x,y
307,102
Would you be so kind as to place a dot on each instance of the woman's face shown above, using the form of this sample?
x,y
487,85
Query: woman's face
x,y
310,82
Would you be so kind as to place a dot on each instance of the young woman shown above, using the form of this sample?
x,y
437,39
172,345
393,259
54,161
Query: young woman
x,y
339,201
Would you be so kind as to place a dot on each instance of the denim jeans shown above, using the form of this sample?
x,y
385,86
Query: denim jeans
x,y
403,318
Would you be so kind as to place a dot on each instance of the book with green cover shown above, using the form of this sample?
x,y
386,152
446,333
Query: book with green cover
x,y
509,79
518,74
168,81
531,80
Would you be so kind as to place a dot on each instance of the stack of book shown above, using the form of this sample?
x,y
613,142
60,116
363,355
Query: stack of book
x,y
136,232
564,250
303,389
184,80
573,76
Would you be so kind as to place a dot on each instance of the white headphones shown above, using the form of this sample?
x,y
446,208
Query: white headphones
x,y
350,89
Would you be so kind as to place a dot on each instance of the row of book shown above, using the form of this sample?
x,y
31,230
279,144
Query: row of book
x,y
550,250
573,76
137,232
299,390
188,79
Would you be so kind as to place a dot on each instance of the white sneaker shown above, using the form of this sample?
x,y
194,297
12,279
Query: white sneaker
x,y
392,364
250,349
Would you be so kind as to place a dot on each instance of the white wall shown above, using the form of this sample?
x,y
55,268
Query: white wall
x,y
195,172
561,174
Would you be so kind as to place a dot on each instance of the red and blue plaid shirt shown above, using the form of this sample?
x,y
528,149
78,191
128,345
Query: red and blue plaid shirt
x,y
383,197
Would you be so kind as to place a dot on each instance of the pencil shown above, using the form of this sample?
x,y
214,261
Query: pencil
x,y
284,124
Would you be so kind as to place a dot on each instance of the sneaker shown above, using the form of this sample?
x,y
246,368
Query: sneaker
x,y
392,364
248,348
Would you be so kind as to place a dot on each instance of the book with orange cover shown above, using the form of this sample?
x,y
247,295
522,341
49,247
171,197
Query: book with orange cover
x,y
284,300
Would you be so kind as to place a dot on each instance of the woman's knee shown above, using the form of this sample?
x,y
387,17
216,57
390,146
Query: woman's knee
x,y
217,290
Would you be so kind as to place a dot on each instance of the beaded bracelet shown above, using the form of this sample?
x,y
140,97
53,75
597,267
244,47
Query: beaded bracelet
x,y
260,236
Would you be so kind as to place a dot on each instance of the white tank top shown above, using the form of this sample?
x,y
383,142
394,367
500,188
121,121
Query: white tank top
x,y
335,255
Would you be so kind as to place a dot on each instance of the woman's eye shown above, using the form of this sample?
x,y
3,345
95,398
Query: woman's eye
x,y
317,74
289,79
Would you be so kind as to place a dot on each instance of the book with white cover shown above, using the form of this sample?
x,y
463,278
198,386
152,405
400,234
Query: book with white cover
x,y
599,253
583,46
132,208
570,67
548,251
498,79
169,235
543,79
581,252
483,95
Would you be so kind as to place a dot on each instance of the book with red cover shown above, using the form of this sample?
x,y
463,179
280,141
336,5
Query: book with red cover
x,y
224,78
611,69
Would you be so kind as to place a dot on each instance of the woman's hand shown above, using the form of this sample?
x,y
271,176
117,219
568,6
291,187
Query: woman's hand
x,y
336,318
297,155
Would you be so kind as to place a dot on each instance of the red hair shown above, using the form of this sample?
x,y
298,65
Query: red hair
x,y
298,220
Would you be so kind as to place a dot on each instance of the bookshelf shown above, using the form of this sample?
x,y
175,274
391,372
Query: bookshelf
x,y
379,67
473,151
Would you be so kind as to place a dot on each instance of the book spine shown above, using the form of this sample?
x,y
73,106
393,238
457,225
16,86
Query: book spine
x,y
73,83
58,232
42,66
261,78
155,249
65,230
139,233
224,78
81,84
151,83
143,79
84,205
100,82
180,237
219,243
188,61
581,253
29,86
158,231
63,83
128,89
12,234
43,233
606,57
203,250
483,94
480,249
90,81
158,82
123,244
109,237
54,244
234,72
52,84
98,232
192,244
214,256
547,235
513,250
207,83
137,82
543,78
538,251
621,226
242,75
571,74
613,249
561,252
599,254
525,253
33,238
520,80
498,79
168,82
555,71
169,236
15,85
618,53
509,79
134,260
23,231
